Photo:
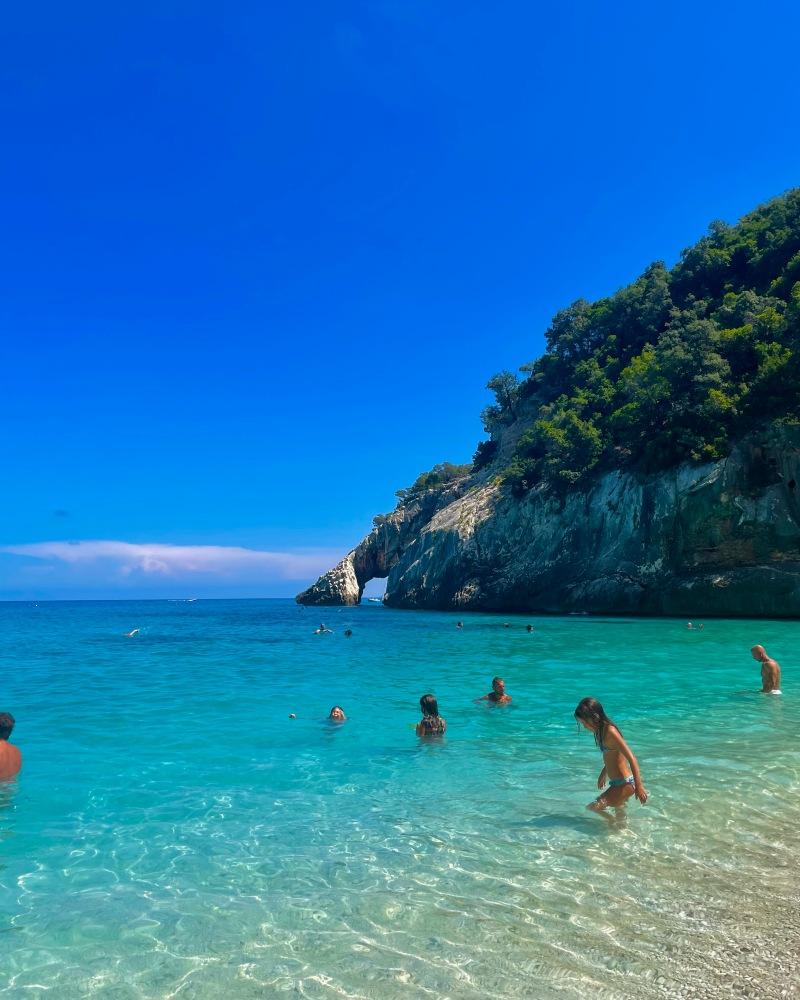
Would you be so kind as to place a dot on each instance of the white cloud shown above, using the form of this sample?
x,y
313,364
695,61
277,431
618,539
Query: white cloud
x,y
129,560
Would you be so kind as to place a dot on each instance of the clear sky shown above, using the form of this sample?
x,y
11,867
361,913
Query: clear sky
x,y
259,259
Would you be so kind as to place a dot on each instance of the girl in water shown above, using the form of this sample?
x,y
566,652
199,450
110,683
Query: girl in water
x,y
431,723
620,767
337,714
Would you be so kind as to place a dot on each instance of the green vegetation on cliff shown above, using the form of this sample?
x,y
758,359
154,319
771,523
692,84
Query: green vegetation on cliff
x,y
672,368
440,475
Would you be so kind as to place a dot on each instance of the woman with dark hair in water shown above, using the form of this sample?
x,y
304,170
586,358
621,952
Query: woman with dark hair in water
x,y
337,714
620,767
431,723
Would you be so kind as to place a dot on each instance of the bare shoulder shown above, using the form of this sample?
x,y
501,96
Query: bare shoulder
x,y
10,760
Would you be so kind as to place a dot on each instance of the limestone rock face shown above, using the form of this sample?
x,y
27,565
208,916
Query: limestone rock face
x,y
378,553
722,538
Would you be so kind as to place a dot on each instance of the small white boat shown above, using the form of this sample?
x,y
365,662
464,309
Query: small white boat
x,y
375,600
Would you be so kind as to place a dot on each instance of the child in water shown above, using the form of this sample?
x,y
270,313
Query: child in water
x,y
337,714
431,723
620,767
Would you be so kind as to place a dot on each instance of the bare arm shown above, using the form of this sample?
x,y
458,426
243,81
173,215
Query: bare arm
x,y
614,741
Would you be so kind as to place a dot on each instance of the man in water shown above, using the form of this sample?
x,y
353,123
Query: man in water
x,y
770,671
497,696
10,757
323,630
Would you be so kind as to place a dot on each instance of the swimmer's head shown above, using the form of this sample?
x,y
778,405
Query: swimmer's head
x,y
591,715
529,628
429,705
348,632
759,653
498,685
6,725
337,714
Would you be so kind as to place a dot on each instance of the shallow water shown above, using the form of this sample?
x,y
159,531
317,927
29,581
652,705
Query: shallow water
x,y
174,833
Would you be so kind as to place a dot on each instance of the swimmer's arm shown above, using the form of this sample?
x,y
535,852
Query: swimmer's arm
x,y
615,741
484,697
601,781
418,729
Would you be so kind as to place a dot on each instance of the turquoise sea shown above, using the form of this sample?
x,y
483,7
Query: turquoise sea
x,y
175,834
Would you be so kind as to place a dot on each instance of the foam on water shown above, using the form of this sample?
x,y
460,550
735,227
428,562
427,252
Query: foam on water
x,y
173,833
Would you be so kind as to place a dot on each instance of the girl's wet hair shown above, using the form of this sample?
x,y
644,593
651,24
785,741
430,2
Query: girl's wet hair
x,y
591,711
335,707
429,705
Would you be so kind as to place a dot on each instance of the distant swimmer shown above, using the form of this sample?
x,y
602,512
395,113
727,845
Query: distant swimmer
x,y
459,624
498,694
132,633
770,671
292,715
337,714
431,723
620,767
506,624
347,633
529,628
689,625
323,630
10,757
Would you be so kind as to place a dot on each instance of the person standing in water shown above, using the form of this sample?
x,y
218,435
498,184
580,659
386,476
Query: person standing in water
x,y
431,723
620,767
497,696
10,757
770,671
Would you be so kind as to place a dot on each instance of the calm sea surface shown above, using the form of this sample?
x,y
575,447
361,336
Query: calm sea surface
x,y
174,834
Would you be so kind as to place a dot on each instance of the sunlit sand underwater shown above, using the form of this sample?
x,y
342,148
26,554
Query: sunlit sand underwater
x,y
174,833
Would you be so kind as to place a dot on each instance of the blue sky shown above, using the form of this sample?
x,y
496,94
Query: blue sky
x,y
259,260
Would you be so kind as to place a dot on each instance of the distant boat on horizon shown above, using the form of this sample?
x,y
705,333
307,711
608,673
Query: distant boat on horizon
x,y
375,600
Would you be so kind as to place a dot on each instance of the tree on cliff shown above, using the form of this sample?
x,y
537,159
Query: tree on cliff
x,y
440,475
671,368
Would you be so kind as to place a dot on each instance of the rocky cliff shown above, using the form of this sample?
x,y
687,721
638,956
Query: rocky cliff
x,y
716,539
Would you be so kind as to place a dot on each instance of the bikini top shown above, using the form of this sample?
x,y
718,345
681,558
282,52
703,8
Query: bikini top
x,y
433,724
605,749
